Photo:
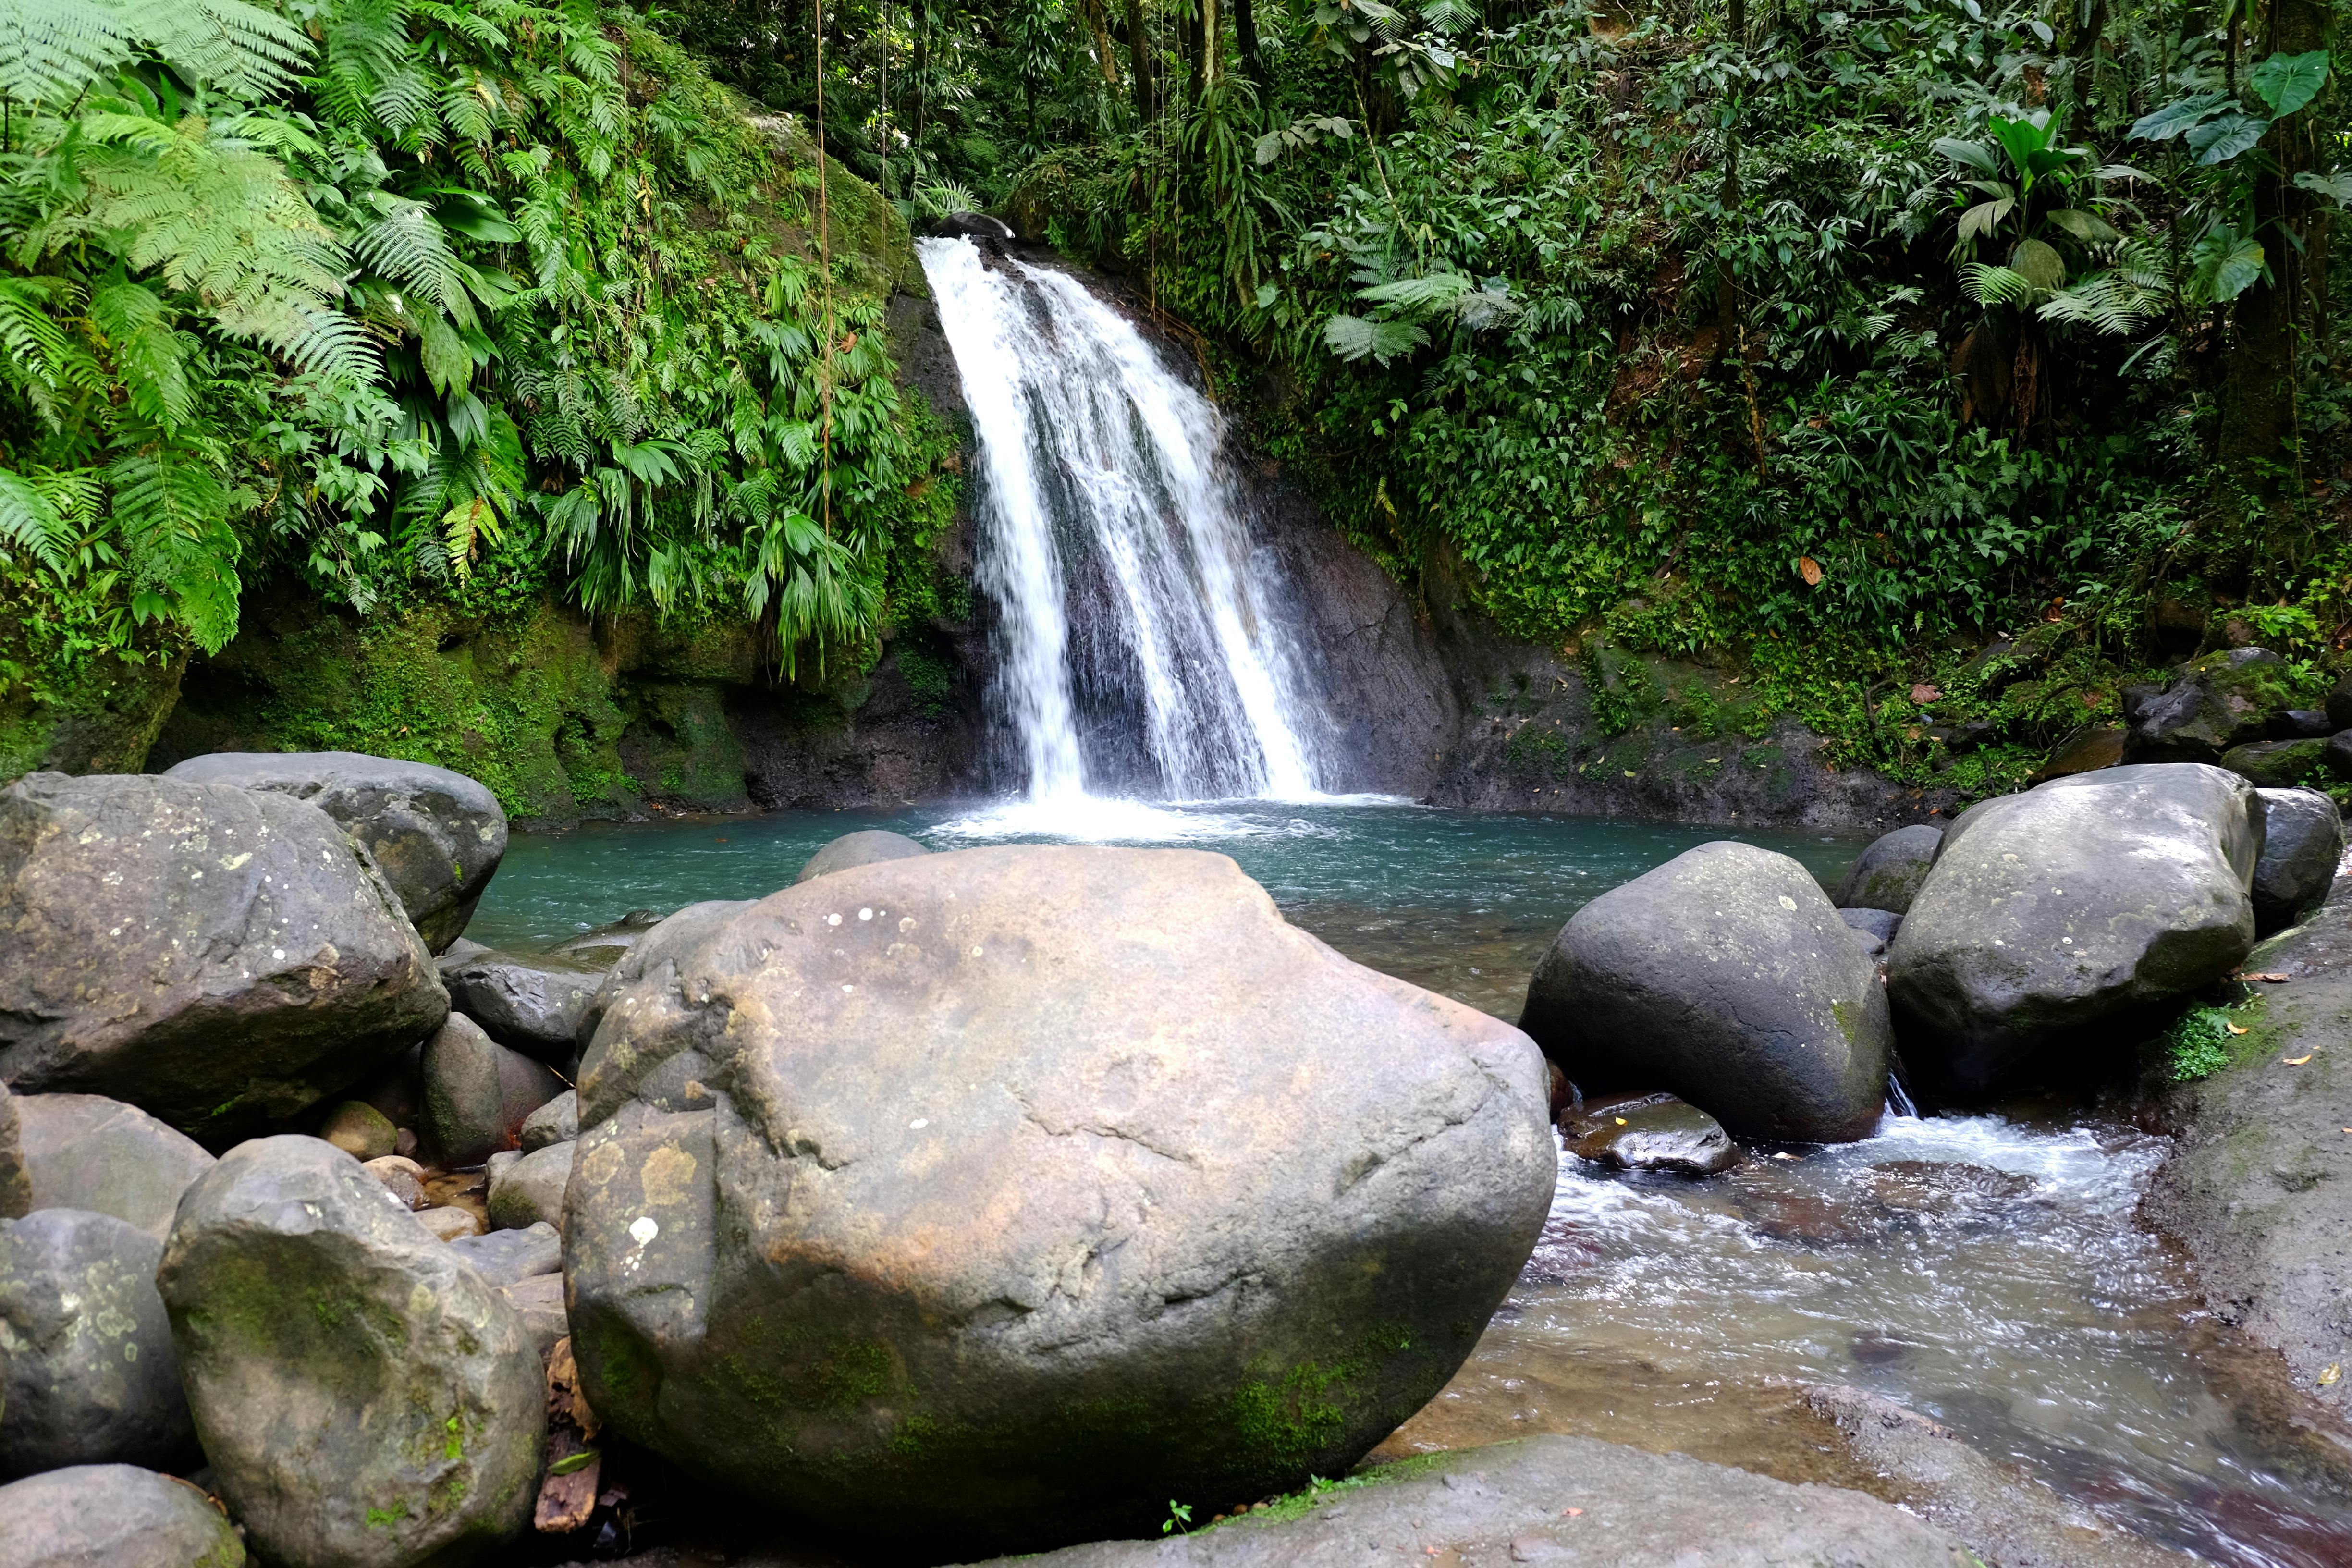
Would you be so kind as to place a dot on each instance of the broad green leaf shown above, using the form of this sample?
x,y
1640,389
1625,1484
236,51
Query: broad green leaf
x,y
2038,264
2087,226
2336,188
2219,140
1980,220
1973,154
2021,139
2287,82
2179,115
2224,264
1266,295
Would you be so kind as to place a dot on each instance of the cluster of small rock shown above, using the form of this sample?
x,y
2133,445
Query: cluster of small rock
x,y
2037,940
986,1197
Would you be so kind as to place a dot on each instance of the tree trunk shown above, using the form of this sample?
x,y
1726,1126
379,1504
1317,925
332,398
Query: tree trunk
x,y
922,20
1099,26
1139,56
1245,35
2258,400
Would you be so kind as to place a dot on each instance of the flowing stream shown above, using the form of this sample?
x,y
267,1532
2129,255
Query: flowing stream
x,y
1140,645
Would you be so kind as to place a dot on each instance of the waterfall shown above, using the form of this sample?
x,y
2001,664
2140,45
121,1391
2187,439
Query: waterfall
x,y
1140,649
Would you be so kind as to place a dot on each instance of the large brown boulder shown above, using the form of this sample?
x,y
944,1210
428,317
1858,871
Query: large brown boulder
x,y
437,836
997,1196
221,957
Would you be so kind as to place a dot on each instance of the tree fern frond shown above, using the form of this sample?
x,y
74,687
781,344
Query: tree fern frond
x,y
29,521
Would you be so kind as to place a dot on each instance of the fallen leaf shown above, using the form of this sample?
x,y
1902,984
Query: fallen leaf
x,y
2335,1369
1571,1513
2296,1062
2273,979
1620,1121
2233,1028
1923,692
1810,569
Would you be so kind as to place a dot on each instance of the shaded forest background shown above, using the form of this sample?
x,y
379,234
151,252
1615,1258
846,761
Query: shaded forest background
x,y
1835,342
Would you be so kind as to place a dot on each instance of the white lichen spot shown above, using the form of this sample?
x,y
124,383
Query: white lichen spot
x,y
278,954
918,1123
907,922
865,915
1787,902
847,989
643,1229
231,862
833,919
975,953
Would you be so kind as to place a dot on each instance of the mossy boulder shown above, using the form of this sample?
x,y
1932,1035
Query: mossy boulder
x,y
364,1396
2279,764
2221,700
1888,873
995,1197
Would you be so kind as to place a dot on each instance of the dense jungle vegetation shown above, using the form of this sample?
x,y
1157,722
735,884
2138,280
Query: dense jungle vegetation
x,y
1832,339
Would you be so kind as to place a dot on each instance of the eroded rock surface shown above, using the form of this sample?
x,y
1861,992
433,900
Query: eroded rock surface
x,y
1104,1184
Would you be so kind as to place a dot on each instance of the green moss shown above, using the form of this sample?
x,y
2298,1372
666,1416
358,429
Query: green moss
x,y
2202,1041
1319,1491
928,677
385,1518
853,1372
1537,753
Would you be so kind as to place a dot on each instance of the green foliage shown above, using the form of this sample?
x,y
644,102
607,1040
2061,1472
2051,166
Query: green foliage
x,y
422,303
2196,1045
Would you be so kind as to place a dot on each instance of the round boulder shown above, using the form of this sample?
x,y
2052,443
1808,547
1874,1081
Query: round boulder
x,y
438,836
2081,903
86,1151
478,1093
1650,1132
87,1371
2278,764
557,1122
360,1129
868,848
1000,1199
530,1004
366,1398
1726,977
1889,870
2221,700
530,1190
112,1516
221,957
2302,843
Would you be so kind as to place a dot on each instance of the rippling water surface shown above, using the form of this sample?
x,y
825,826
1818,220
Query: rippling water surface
x,y
1985,1270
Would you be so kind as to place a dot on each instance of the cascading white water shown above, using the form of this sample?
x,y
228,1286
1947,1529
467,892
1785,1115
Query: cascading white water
x,y
1101,477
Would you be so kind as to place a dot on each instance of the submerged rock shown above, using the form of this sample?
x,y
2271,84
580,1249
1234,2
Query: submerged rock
x,y
364,1398
1650,1132
1888,871
87,1371
602,946
1511,1503
478,1093
221,957
112,1516
1726,977
529,1005
2078,903
1002,1196
86,1151
868,848
437,836
2302,844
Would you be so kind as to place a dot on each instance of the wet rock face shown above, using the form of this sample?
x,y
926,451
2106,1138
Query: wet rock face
x,y
2302,843
1510,1504
2076,903
364,1396
864,848
218,956
1888,871
654,951
86,1151
1726,977
16,1184
87,1375
1001,1195
2221,700
478,1093
437,836
529,1005
529,1192
1650,1132
112,1516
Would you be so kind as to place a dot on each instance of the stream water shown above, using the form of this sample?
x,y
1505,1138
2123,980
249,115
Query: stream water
x,y
1985,1271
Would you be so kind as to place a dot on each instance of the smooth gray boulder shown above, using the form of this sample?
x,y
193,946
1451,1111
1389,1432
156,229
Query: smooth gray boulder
x,y
87,1375
438,836
1888,873
1875,929
538,1301
656,952
505,1256
1649,1132
360,1129
868,848
557,1122
478,1093
529,1005
1726,977
364,1398
1002,1196
1574,1501
15,1183
2302,843
2221,700
86,1151
112,1516
224,958
2083,903
531,1190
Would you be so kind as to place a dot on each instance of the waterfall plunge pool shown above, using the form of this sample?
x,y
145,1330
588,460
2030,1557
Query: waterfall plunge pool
x,y
1985,1271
